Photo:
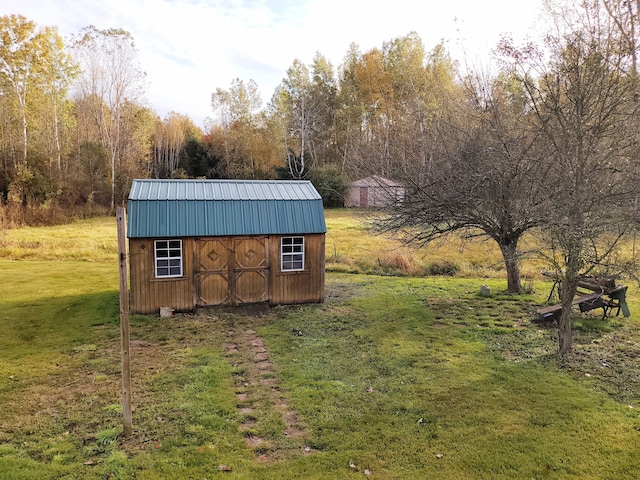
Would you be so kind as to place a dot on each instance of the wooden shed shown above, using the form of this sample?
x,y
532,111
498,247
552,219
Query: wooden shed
x,y
374,191
224,242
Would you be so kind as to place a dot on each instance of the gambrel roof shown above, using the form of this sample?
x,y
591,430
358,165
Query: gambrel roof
x,y
376,181
199,208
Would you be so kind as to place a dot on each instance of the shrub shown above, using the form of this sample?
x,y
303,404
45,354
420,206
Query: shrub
x,y
331,184
401,262
443,268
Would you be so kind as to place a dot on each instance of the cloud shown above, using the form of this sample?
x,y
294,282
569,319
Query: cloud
x,y
191,47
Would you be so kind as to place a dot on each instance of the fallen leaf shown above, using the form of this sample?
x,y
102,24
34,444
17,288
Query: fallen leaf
x,y
370,389
352,465
307,449
439,455
88,462
367,472
224,468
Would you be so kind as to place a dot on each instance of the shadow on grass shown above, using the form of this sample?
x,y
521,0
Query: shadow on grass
x,y
54,323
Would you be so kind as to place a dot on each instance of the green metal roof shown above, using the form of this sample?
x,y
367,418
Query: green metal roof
x,y
199,208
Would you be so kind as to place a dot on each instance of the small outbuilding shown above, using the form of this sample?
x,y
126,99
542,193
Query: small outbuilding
x,y
374,192
197,243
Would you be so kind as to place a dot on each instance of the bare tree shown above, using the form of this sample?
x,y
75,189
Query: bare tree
x,y
237,110
482,177
302,114
585,104
170,140
110,79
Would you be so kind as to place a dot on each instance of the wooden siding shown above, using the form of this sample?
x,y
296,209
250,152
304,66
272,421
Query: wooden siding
x,y
148,293
305,286
226,271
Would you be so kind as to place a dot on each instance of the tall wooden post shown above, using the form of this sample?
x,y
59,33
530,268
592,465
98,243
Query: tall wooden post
x,y
124,322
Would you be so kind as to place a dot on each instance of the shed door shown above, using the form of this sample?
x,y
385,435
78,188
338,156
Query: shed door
x,y
364,197
231,271
212,271
250,271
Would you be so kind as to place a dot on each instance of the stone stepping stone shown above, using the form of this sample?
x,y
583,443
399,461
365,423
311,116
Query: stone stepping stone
x,y
263,365
254,441
246,426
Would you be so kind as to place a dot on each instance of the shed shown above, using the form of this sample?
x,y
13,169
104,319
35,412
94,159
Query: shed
x,y
374,192
224,242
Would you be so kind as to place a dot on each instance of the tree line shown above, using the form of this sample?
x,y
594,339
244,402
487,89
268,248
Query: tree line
x,y
74,129
546,143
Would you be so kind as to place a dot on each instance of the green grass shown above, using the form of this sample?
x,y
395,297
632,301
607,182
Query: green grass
x,y
406,377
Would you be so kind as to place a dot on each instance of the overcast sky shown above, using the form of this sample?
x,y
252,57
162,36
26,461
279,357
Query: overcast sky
x,y
188,48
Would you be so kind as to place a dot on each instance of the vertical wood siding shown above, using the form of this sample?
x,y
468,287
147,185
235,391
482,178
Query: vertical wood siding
x,y
148,294
227,271
306,286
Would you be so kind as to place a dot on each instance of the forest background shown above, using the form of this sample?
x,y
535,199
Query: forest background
x,y
74,127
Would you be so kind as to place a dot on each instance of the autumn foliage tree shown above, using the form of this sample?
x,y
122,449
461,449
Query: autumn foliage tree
x,y
35,72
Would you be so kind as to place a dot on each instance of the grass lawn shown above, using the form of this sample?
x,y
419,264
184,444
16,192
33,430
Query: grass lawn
x,y
391,378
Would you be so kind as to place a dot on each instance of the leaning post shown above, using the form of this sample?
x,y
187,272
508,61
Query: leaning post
x,y
124,322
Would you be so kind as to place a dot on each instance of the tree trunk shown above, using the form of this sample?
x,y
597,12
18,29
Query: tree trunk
x,y
567,292
23,118
56,133
509,249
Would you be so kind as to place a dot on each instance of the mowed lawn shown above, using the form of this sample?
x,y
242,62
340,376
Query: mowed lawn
x,y
393,377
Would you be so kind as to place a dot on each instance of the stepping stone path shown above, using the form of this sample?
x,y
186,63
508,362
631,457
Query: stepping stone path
x,y
258,388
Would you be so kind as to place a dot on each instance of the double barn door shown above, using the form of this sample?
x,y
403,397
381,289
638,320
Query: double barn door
x,y
231,271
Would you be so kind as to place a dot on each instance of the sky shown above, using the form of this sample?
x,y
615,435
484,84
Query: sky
x,y
189,48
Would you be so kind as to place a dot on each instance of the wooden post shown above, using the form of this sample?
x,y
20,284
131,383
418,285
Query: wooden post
x,y
124,322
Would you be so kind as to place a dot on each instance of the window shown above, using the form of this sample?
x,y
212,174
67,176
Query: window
x,y
292,254
168,258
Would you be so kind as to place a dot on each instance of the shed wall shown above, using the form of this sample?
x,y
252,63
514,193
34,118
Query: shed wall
x,y
306,286
148,294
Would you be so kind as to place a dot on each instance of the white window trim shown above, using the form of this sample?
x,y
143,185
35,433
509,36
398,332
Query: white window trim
x,y
289,255
156,258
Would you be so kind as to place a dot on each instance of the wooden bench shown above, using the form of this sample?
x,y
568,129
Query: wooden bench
x,y
614,296
585,302
604,294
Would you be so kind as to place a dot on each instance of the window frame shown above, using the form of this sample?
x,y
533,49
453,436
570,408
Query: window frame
x,y
170,255
293,255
